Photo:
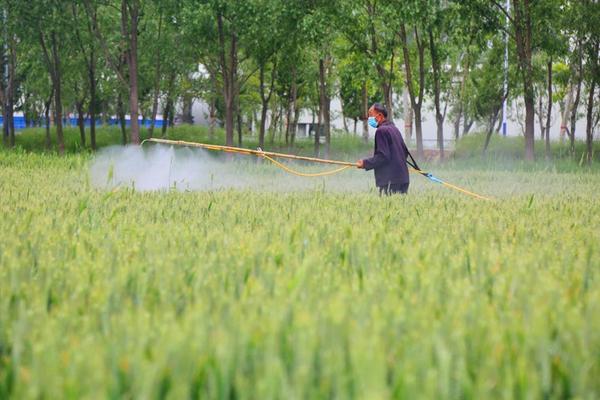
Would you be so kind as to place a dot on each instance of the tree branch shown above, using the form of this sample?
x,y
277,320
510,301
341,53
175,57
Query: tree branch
x,y
109,57
504,11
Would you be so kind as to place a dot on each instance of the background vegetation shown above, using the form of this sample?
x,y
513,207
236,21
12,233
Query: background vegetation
x,y
262,62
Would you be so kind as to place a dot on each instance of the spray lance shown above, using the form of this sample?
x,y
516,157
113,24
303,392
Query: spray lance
x,y
342,165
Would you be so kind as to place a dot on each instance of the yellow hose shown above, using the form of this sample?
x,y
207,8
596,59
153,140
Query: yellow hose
x,y
269,156
304,174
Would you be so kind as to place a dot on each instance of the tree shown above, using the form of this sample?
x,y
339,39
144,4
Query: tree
x,y
264,45
130,14
8,69
321,34
353,77
438,31
588,30
45,23
83,22
371,29
218,29
416,88
522,19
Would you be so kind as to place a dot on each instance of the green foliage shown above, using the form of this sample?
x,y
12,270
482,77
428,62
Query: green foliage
x,y
180,54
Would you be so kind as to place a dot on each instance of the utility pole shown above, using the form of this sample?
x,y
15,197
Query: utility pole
x,y
504,128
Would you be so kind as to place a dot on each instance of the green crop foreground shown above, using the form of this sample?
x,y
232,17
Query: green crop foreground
x,y
314,293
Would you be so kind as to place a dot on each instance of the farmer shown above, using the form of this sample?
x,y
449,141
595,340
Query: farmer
x,y
389,158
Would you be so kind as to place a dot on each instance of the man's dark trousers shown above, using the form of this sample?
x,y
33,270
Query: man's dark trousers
x,y
390,189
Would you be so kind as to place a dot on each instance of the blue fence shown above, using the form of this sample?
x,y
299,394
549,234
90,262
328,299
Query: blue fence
x,y
20,122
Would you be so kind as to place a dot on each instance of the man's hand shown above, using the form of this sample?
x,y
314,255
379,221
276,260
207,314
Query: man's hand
x,y
360,164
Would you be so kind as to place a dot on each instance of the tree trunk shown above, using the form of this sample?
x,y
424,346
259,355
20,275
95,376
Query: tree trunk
x,y
171,115
295,123
157,62
457,120
577,99
344,122
129,27
212,111
238,117
264,107
166,113
93,83
47,105
228,72
565,113
467,124
292,127
589,129
212,103
490,129
529,127
325,101
12,70
288,118
275,116
5,130
439,118
81,121
89,58
3,98
319,122
549,110
92,109
461,96
408,115
8,111
57,95
541,119
280,126
523,39
8,55
121,115
187,105
419,131
415,100
594,76
365,109
168,108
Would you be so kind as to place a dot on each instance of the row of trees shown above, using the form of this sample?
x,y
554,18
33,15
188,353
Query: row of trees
x,y
267,60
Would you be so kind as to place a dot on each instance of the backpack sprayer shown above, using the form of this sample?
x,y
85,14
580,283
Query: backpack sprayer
x,y
342,165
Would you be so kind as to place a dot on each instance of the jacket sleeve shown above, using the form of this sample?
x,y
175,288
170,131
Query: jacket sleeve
x,y
382,152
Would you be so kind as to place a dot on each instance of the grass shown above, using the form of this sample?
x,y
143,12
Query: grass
x,y
511,149
308,294
33,140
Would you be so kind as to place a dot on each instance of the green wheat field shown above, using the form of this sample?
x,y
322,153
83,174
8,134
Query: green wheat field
x,y
298,291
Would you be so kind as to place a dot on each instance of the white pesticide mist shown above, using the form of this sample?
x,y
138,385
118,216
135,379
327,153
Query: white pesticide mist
x,y
162,168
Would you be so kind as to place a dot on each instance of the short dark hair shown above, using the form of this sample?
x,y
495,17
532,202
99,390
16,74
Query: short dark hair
x,y
380,108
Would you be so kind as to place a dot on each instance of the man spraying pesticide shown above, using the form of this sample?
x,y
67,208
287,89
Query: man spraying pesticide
x,y
389,158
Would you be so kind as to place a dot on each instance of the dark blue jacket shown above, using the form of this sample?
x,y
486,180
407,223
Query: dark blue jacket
x,y
389,158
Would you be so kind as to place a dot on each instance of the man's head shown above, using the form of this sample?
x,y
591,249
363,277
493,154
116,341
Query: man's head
x,y
379,112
